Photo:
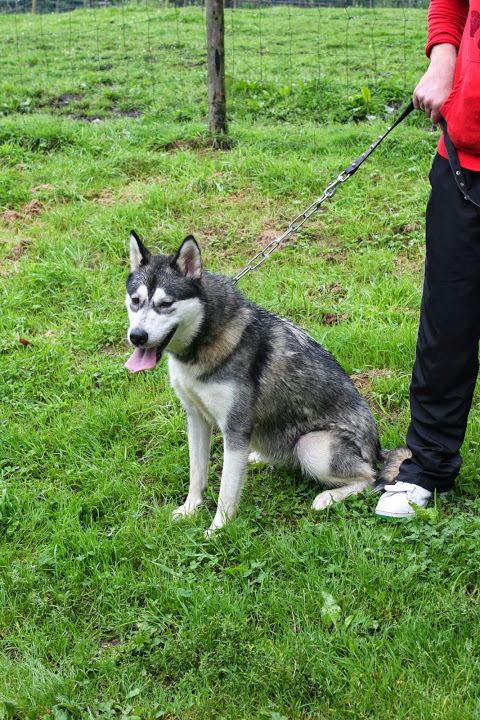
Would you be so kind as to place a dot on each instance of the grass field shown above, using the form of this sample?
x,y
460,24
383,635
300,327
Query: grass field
x,y
108,609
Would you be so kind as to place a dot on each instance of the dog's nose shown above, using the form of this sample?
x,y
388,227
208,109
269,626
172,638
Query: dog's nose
x,y
138,337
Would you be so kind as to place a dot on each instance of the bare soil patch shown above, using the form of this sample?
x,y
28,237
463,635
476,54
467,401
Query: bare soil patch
x,y
19,249
63,100
199,143
364,382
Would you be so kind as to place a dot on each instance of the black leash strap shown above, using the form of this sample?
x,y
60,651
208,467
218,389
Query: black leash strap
x,y
455,165
353,167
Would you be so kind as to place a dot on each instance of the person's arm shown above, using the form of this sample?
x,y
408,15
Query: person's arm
x,y
437,83
446,20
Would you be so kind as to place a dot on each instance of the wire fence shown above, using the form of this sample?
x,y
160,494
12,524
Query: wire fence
x,y
51,6
288,62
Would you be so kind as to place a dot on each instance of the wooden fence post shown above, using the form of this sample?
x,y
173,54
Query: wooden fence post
x,y
216,66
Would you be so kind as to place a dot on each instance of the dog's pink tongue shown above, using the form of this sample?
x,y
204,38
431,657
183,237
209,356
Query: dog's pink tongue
x,y
142,360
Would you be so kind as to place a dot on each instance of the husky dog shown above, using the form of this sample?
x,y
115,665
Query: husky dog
x,y
275,394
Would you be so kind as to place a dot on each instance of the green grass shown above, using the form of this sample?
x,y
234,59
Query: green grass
x,y
281,63
108,609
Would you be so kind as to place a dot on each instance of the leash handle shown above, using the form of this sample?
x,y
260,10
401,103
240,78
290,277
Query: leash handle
x,y
353,167
455,164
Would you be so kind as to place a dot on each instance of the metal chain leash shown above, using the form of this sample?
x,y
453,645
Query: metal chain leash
x,y
329,192
295,225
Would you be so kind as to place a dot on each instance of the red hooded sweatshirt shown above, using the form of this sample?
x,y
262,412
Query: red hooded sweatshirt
x,y
458,22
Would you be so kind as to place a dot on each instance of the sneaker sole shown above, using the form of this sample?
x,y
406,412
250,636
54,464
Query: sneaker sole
x,y
401,516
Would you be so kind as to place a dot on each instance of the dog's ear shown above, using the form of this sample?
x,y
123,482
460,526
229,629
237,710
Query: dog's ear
x,y
139,254
188,258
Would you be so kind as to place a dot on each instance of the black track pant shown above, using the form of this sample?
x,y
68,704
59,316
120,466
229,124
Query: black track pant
x,y
446,359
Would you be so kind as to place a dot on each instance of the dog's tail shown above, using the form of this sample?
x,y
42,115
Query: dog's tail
x,y
391,461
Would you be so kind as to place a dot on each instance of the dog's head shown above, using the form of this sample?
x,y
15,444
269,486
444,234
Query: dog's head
x,y
163,301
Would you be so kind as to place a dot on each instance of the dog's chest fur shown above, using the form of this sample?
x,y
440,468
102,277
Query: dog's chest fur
x,y
213,400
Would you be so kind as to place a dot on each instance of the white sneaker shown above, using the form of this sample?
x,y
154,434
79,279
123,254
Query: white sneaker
x,y
395,502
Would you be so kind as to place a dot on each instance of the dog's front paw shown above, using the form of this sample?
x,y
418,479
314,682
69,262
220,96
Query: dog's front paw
x,y
212,530
180,512
185,510
218,523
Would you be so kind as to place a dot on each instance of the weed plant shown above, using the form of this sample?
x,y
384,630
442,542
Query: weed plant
x,y
108,608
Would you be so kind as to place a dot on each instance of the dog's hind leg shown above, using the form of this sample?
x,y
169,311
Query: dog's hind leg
x,y
316,453
328,497
199,441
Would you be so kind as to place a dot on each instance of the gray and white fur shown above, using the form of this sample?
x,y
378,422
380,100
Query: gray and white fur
x,y
275,393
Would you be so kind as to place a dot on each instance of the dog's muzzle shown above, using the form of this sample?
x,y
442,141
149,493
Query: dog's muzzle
x,y
146,358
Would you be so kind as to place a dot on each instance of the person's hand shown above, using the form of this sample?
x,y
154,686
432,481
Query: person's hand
x,y
437,83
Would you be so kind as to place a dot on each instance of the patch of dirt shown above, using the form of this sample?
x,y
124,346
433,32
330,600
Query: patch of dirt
x,y
109,197
334,319
95,259
109,643
335,257
178,145
33,208
128,113
63,100
200,143
364,379
41,188
363,383
331,290
411,262
334,290
114,112
407,229
10,216
270,233
105,198
16,252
